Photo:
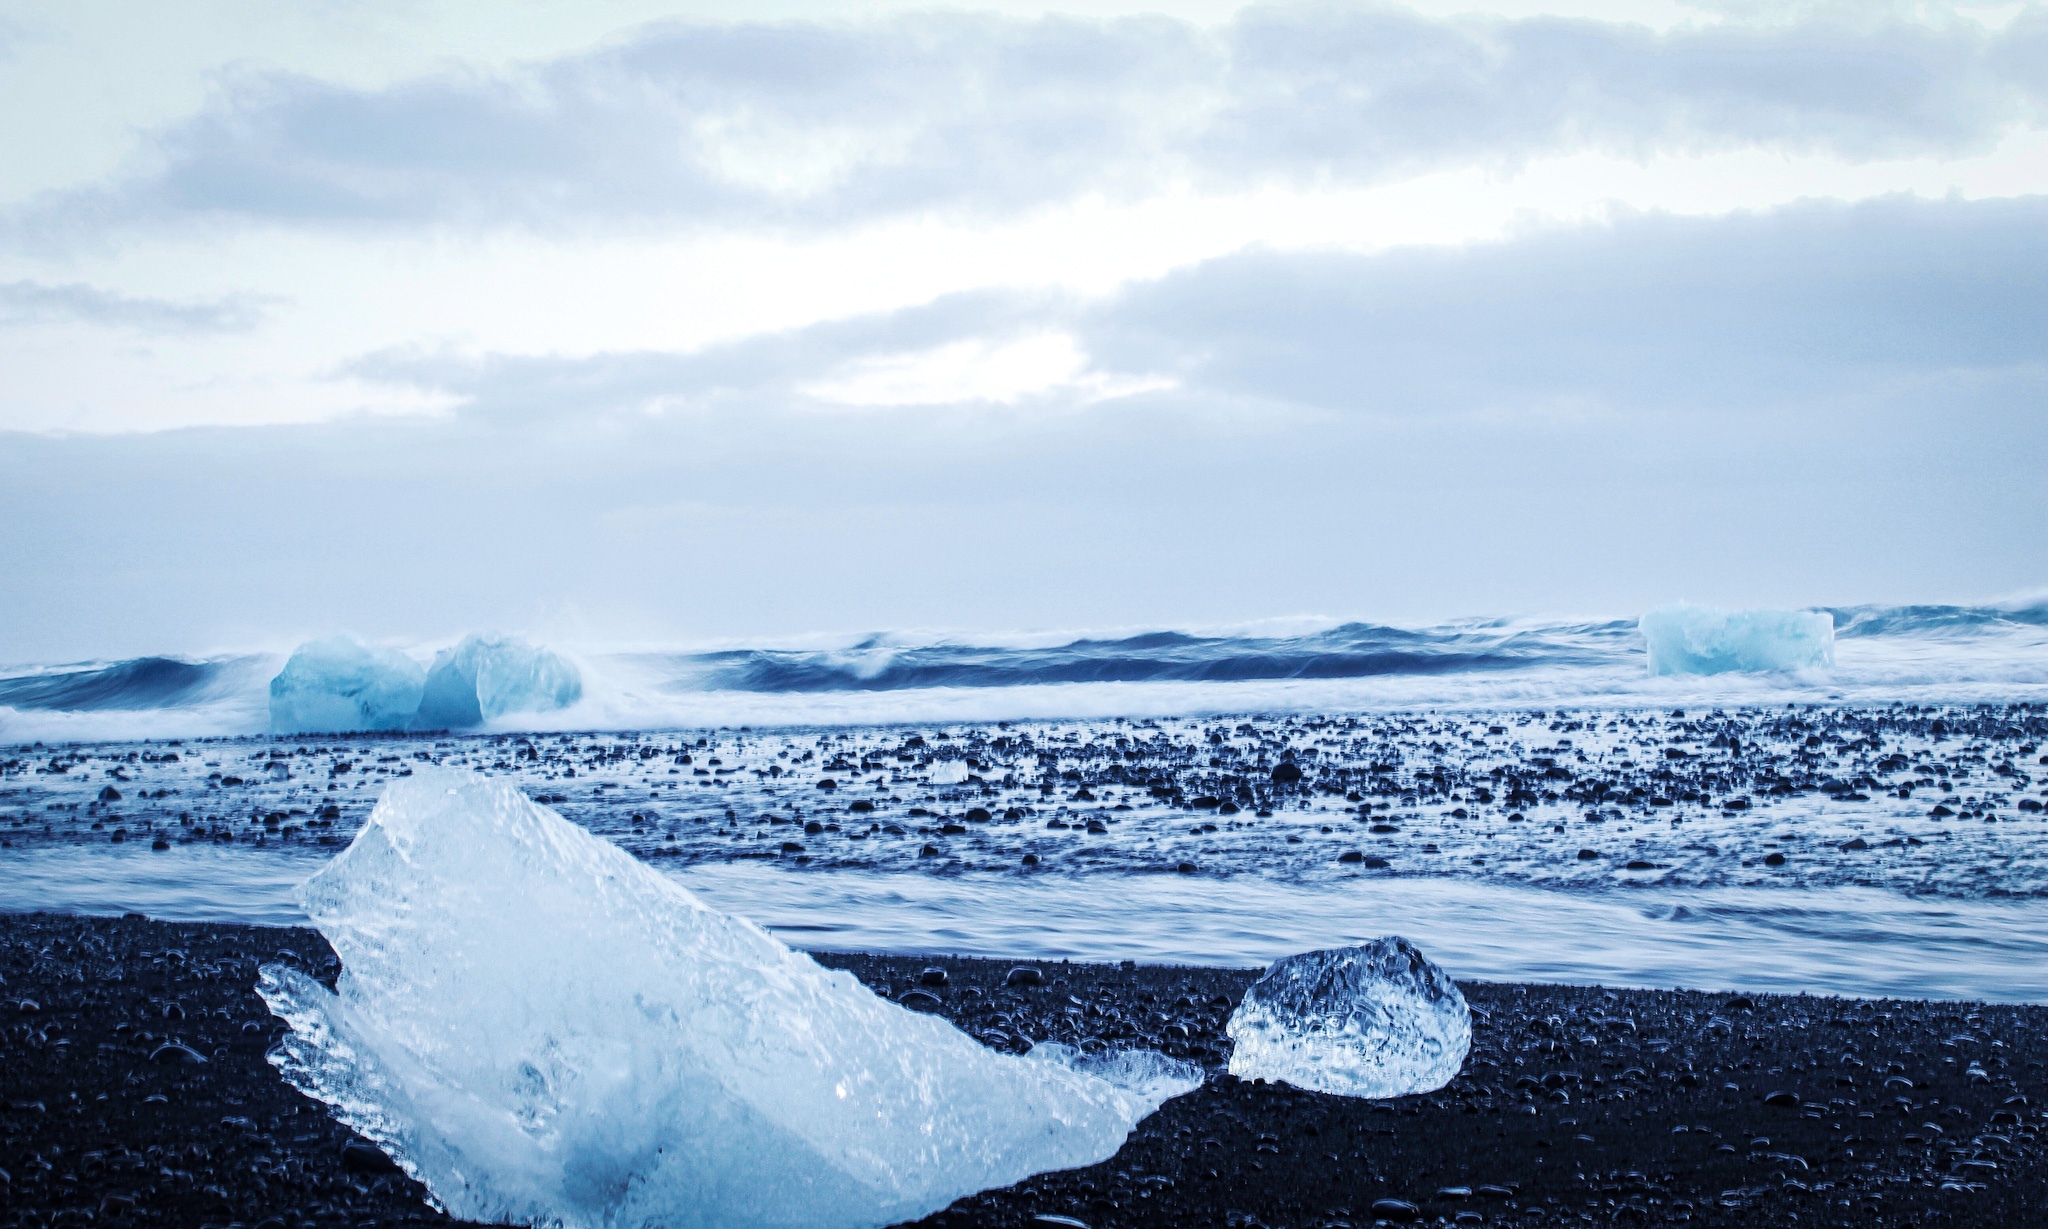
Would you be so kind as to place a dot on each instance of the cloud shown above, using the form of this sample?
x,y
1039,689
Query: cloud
x,y
26,302
776,366
1794,310
1815,310
808,124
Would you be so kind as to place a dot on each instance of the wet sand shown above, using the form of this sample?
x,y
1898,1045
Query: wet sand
x,y
1577,1105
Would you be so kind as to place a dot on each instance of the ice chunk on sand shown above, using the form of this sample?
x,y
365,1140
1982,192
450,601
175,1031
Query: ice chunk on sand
x,y
486,677
1686,639
1376,1020
340,683
547,1031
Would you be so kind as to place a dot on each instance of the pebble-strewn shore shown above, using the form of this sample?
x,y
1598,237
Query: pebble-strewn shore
x,y
1577,1105
1925,800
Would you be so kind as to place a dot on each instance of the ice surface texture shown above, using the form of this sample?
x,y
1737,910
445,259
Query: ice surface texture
x,y
487,677
1697,640
340,683
544,1030
1377,1020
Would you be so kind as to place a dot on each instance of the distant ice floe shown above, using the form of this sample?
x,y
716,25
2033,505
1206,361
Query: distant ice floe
x,y
340,684
544,1030
1685,639
488,677
1375,1020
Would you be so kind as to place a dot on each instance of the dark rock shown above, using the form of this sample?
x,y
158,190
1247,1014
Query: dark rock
x,y
362,1158
1352,855
1396,1209
176,1052
932,976
1286,772
1024,975
1587,855
919,1000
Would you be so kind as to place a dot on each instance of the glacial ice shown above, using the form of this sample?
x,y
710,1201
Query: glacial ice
x,y
544,1030
486,677
1376,1020
1685,639
339,683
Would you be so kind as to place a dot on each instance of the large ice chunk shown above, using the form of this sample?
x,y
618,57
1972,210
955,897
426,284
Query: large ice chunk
x,y
487,677
546,1031
1376,1020
1686,639
339,683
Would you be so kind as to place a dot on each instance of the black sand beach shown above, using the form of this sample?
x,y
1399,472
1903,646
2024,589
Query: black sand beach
x,y
1577,1105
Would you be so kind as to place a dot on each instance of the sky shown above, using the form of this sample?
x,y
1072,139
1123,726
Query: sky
x,y
632,322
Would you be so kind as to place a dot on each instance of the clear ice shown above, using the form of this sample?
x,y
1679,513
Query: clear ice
x,y
339,683
544,1030
1376,1020
1686,639
487,677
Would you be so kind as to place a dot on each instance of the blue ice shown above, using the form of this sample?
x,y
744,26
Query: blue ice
x,y
487,677
1685,639
339,683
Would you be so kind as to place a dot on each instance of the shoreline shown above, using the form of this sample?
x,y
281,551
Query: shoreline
x,y
1576,1105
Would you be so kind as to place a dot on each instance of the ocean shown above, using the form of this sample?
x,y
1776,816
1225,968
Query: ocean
x,y
1527,800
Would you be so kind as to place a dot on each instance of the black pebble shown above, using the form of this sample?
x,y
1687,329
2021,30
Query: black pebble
x,y
365,1158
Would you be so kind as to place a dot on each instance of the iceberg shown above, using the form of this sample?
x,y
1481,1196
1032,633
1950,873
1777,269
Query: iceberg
x,y
486,677
341,684
544,1030
1376,1020
1685,639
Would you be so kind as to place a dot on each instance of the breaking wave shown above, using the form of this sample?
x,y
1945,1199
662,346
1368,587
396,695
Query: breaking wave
x,y
1950,653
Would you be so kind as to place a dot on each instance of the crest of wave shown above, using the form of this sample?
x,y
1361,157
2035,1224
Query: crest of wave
x,y
544,1030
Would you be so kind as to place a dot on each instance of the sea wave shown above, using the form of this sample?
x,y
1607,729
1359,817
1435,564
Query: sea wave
x,y
1961,653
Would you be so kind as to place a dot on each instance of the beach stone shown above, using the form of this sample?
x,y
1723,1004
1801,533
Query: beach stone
x,y
362,1158
1286,772
933,976
1024,975
176,1052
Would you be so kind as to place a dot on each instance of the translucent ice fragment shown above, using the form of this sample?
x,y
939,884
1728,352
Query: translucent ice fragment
x,y
1686,639
486,677
546,1031
340,683
1376,1020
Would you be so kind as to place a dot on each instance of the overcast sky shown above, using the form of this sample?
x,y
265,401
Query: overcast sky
x,y
631,321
